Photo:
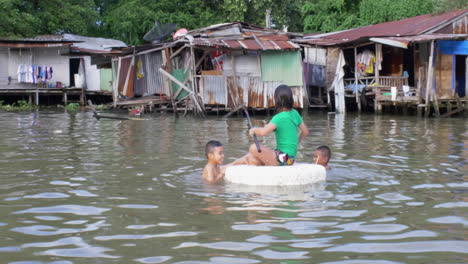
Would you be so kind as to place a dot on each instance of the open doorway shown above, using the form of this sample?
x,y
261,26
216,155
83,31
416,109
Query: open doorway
x,y
74,69
460,74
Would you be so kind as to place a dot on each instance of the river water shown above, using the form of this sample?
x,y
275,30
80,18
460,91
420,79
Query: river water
x,y
77,190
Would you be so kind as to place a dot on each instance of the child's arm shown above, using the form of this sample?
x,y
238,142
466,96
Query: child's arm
x,y
304,131
212,175
262,131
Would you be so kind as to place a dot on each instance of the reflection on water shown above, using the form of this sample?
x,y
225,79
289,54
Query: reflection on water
x,y
77,190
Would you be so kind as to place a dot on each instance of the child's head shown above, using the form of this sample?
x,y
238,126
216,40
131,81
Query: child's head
x,y
283,97
214,151
322,155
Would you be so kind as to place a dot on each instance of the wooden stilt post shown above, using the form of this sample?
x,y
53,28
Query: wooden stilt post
x,y
65,98
430,79
167,63
377,104
37,96
358,101
115,88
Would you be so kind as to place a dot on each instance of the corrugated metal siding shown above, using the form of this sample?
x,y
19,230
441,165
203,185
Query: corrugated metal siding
x,y
245,65
285,67
317,56
270,87
245,82
154,79
256,93
141,84
214,89
298,94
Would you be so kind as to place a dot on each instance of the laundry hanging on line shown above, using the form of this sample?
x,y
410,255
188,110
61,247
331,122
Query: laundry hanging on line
x,y
28,73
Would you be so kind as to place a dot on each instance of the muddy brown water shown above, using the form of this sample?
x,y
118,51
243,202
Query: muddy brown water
x,y
77,190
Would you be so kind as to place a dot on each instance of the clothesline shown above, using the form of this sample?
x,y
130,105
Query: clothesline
x,y
34,73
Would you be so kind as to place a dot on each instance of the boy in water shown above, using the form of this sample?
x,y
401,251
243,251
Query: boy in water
x,y
214,152
322,156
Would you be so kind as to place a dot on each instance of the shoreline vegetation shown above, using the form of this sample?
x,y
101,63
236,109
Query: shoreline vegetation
x,y
23,105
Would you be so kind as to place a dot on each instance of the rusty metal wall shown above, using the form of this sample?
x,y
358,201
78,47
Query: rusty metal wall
x,y
270,87
214,89
298,94
154,79
256,93
125,64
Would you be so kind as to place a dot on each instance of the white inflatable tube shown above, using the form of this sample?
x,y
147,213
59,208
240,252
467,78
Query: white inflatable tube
x,y
298,174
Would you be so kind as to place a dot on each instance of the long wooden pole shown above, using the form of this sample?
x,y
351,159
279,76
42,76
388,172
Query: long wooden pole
x,y
356,80
429,79
167,61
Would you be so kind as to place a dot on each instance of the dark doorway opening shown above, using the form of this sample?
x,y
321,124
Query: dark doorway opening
x,y
408,65
74,69
460,75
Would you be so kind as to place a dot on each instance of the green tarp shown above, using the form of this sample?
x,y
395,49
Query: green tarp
x,y
180,75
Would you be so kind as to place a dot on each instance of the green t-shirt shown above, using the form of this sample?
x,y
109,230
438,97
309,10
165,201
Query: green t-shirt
x,y
287,131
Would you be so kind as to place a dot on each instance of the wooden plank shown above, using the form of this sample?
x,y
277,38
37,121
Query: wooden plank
x,y
178,51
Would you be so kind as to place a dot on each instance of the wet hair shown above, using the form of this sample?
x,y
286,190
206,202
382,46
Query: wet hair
x,y
211,145
283,97
325,152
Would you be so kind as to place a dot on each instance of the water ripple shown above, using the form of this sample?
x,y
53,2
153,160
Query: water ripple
x,y
404,247
65,209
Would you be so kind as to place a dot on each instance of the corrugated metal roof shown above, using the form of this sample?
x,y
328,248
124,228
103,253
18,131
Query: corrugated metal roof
x,y
427,37
44,38
93,44
405,27
248,44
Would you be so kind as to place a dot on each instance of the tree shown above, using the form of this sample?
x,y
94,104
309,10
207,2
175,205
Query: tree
x,y
284,13
378,11
29,18
129,20
329,15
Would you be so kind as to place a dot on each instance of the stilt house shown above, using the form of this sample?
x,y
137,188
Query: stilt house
x,y
222,66
419,62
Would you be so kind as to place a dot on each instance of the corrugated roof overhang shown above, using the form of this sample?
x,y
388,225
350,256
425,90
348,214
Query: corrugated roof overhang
x,y
403,42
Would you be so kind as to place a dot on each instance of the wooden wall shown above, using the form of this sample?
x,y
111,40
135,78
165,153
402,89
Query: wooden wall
x,y
444,76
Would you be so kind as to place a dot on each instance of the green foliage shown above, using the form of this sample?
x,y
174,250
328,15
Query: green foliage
x,y
28,18
130,20
378,11
72,107
329,15
447,5
21,105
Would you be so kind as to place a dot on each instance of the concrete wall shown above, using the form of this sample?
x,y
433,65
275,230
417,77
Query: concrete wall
x,y
39,56
60,64
92,74
3,66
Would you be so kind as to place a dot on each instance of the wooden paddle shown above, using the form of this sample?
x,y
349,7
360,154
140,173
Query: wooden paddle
x,y
250,126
